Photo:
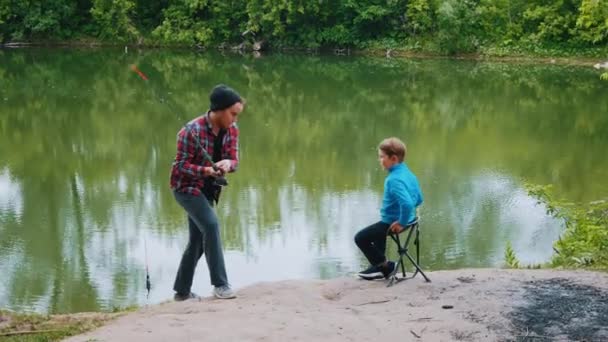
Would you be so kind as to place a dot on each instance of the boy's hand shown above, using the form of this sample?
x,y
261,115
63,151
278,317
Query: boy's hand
x,y
396,227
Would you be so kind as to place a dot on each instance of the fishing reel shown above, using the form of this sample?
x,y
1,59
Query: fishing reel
x,y
214,188
220,181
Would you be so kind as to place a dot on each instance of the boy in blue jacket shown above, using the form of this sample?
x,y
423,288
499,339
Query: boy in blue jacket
x,y
402,196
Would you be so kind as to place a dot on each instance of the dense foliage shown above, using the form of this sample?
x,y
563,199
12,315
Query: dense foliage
x,y
447,26
585,240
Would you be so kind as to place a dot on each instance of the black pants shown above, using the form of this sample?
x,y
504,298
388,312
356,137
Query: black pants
x,y
371,241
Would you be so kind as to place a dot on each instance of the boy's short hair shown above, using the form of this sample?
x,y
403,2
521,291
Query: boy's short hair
x,y
393,147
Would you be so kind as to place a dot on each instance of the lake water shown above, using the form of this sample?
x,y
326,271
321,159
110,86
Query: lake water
x,y
86,148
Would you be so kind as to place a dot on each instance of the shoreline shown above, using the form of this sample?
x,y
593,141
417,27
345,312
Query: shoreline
x,y
560,58
466,304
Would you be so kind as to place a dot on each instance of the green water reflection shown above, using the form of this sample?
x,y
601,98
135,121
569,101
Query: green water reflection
x,y
86,148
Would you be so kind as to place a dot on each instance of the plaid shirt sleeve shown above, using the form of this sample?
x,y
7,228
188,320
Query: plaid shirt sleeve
x,y
186,150
232,147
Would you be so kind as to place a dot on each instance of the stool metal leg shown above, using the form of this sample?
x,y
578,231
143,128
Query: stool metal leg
x,y
417,243
418,269
417,263
400,257
403,251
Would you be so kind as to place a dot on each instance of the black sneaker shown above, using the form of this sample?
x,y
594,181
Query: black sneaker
x,y
389,270
373,272
178,297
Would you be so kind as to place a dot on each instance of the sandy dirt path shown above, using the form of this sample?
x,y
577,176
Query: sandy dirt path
x,y
487,305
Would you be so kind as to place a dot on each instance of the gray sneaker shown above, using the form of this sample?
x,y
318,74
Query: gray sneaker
x,y
224,292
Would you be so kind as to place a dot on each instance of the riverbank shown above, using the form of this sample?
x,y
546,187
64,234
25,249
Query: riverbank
x,y
544,56
458,305
572,60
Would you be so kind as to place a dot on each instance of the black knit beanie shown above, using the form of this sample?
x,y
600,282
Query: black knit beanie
x,y
223,97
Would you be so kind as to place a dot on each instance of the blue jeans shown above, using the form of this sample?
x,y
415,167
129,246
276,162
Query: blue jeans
x,y
204,239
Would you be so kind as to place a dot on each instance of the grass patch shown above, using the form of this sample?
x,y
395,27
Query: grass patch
x,y
42,328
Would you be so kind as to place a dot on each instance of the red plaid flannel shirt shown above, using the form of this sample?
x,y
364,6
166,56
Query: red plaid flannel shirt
x,y
187,169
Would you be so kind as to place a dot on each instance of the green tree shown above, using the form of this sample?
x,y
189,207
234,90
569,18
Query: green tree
x,y
592,23
37,19
501,20
290,22
148,14
550,21
378,19
114,19
201,22
457,26
419,16
5,14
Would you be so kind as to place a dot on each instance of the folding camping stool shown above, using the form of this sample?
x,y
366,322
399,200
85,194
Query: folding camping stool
x,y
412,228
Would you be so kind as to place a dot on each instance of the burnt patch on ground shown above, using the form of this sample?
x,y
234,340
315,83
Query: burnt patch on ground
x,y
561,309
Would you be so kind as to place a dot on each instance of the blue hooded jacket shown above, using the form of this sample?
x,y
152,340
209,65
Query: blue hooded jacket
x,y
402,195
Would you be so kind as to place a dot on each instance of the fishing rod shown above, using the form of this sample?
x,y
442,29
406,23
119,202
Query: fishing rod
x,y
148,283
220,180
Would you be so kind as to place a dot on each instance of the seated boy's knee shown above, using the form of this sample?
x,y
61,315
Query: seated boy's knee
x,y
358,237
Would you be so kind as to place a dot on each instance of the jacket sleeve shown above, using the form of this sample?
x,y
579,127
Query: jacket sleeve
x,y
186,148
232,150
